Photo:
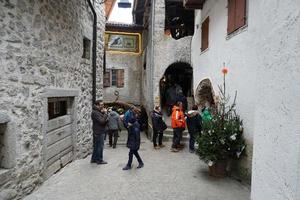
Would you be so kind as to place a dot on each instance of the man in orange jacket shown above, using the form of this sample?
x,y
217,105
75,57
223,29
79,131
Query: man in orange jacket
x,y
178,125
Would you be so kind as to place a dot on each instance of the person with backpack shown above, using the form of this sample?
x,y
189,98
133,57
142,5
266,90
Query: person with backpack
x,y
158,126
114,126
178,124
194,126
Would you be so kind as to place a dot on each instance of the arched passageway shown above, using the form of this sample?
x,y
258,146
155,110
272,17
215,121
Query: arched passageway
x,y
176,85
205,94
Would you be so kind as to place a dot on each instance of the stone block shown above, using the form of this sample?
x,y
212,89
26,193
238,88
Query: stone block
x,y
8,194
27,79
4,118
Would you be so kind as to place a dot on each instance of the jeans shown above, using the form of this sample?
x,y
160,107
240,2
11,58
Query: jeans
x,y
192,140
98,143
160,137
113,137
131,153
177,135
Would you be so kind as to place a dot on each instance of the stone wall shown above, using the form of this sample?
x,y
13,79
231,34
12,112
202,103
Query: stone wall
x,y
160,54
41,46
132,66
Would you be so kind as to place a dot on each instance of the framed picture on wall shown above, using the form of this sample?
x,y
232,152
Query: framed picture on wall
x,y
121,42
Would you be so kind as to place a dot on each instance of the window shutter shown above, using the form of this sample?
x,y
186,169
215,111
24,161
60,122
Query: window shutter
x,y
205,34
106,79
231,16
120,78
240,18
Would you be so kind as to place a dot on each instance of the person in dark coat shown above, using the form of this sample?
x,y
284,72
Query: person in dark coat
x,y
133,143
100,119
183,99
194,126
158,126
114,126
143,120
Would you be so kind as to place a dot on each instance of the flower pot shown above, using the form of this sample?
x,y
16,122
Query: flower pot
x,y
218,169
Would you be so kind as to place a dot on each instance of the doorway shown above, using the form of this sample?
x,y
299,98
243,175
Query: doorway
x,y
176,85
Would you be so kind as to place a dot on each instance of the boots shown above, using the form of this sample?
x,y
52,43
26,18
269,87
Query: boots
x,y
127,167
140,165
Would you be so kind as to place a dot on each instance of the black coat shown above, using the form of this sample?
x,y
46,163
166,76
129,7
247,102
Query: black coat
x,y
194,122
134,139
99,121
158,124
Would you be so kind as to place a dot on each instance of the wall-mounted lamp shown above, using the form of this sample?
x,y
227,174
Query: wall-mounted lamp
x,y
124,4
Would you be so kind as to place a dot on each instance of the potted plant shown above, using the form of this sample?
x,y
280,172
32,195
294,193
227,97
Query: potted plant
x,y
221,137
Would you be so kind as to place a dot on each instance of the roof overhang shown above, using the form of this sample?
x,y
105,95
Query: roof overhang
x,y
109,5
193,4
123,27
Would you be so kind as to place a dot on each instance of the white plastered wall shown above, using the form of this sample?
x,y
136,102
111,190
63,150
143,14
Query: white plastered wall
x,y
263,62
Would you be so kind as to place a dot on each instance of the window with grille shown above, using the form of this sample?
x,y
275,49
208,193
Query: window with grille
x,y
57,107
114,77
86,48
236,15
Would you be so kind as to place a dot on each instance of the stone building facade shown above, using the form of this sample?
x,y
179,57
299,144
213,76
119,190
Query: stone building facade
x,y
131,64
46,64
161,51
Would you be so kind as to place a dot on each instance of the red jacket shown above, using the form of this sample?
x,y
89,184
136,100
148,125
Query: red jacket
x,y
178,120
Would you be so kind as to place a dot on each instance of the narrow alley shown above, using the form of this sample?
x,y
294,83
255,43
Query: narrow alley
x,y
220,76
165,176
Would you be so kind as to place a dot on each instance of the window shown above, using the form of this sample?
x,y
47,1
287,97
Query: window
x,y
236,15
205,34
56,107
120,78
106,79
114,77
86,48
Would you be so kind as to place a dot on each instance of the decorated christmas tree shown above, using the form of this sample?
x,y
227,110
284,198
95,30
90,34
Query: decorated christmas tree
x,y
222,136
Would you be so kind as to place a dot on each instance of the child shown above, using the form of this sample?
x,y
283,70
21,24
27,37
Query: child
x,y
194,122
133,143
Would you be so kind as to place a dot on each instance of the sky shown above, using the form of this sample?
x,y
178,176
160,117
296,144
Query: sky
x,y
121,15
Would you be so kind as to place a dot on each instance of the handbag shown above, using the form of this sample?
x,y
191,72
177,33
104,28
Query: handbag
x,y
164,126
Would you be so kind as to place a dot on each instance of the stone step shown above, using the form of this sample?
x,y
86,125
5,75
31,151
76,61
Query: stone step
x,y
168,135
169,131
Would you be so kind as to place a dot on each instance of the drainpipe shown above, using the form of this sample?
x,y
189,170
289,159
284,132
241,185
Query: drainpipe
x,y
152,55
94,51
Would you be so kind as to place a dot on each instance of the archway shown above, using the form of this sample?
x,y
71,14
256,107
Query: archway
x,y
178,78
205,94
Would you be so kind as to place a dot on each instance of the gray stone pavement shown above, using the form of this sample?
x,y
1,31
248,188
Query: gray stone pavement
x,y
166,176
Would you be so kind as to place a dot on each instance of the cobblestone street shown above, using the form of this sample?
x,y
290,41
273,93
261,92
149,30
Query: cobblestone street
x,y
166,175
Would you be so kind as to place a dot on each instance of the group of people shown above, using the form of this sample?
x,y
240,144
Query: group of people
x,y
109,121
180,120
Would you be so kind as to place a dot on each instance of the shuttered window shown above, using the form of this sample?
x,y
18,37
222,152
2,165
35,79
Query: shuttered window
x,y
106,79
120,78
205,34
236,15
114,77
